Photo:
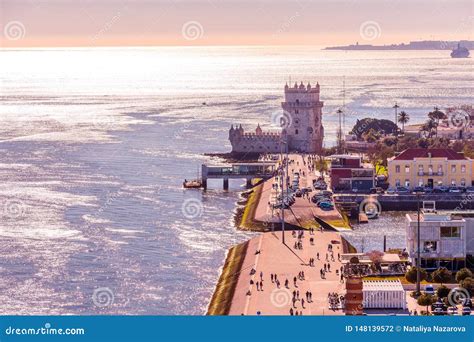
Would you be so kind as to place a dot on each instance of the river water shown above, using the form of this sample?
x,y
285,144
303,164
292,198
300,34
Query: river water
x,y
94,145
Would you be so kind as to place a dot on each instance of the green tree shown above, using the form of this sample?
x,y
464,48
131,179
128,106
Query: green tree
x,y
441,275
442,291
425,300
403,118
436,116
467,283
462,274
410,276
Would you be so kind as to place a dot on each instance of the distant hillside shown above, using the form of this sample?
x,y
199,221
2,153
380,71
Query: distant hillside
x,y
420,45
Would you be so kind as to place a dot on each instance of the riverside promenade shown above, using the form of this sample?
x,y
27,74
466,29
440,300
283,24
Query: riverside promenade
x,y
267,254
303,211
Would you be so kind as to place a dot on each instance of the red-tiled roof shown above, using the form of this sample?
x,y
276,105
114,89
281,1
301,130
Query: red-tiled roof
x,y
413,153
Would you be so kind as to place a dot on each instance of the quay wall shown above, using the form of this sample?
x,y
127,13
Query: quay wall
x,y
409,202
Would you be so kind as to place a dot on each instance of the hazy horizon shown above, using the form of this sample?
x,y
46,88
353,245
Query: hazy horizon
x,y
66,23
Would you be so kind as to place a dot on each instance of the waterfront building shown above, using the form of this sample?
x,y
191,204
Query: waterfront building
x,y
300,121
348,173
430,167
443,239
383,294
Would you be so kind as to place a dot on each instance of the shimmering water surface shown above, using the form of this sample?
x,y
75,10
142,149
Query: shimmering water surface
x,y
94,145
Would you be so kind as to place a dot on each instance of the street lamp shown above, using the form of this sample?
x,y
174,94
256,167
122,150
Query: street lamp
x,y
418,254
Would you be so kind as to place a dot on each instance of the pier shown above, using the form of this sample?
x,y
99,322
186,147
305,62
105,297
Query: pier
x,y
247,171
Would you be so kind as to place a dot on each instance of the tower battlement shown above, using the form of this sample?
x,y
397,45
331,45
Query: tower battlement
x,y
304,130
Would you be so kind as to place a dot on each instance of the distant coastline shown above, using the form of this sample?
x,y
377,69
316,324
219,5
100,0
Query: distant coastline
x,y
418,45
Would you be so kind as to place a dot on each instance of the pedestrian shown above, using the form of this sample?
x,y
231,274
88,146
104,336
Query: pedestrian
x,y
286,283
329,267
302,303
278,283
291,311
271,277
258,288
261,275
317,255
294,281
261,285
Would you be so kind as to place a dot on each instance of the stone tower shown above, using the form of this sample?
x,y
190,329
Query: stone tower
x,y
305,130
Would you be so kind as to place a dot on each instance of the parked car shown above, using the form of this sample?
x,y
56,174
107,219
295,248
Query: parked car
x,y
466,311
452,310
418,189
390,191
429,289
377,190
470,189
402,190
427,190
457,189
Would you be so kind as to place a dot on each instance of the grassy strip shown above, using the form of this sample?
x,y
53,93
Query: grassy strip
x,y
247,220
224,293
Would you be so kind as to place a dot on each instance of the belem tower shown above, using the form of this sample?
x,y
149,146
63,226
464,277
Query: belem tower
x,y
300,123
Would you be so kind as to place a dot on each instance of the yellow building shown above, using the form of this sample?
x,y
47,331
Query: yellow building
x,y
430,167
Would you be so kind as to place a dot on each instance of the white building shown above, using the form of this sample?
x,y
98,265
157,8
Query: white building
x,y
383,294
443,239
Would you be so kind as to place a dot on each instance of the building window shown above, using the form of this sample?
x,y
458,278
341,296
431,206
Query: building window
x,y
407,183
420,182
407,168
297,101
463,168
430,169
453,182
296,131
296,111
440,170
397,169
397,182
453,168
450,232
463,182
429,246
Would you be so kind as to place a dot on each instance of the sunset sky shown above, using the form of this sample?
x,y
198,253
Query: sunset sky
x,y
50,23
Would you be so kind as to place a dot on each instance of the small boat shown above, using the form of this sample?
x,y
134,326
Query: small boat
x,y
460,52
192,184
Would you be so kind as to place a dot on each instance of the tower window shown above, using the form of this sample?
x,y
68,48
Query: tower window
x,y
297,101
296,131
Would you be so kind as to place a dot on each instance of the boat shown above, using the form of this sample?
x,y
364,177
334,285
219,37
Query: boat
x,y
460,52
193,183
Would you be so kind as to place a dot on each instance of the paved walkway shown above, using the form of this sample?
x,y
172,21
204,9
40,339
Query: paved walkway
x,y
286,262
303,210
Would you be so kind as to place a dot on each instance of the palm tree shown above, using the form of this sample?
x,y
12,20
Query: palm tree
x,y
428,127
403,118
436,116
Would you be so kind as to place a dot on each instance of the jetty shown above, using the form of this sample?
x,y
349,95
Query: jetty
x,y
247,171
